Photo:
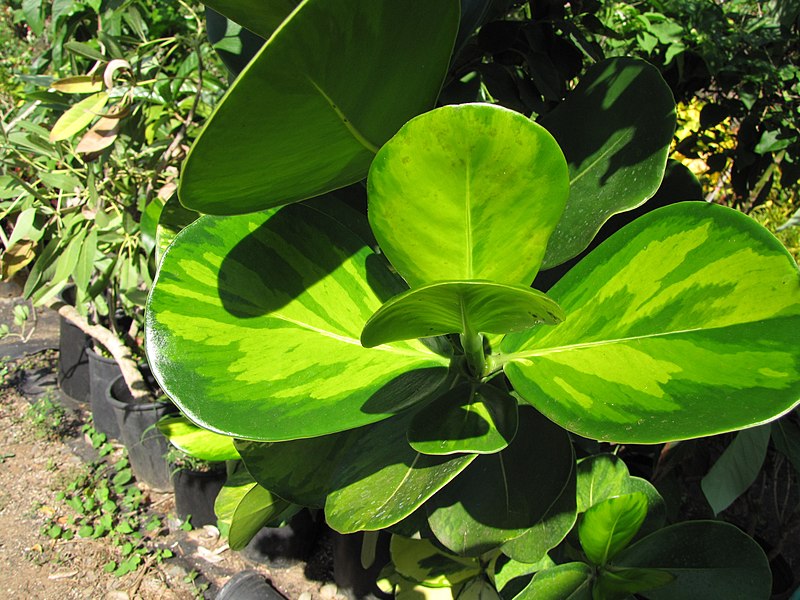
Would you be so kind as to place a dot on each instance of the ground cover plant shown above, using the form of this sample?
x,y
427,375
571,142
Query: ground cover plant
x,y
400,372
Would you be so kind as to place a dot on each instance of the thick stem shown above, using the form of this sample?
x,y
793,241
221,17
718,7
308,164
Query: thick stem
x,y
472,343
130,371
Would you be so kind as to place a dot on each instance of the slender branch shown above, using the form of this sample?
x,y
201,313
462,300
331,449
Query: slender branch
x,y
120,352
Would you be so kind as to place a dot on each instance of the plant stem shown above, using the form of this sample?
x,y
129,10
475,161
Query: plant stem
x,y
472,343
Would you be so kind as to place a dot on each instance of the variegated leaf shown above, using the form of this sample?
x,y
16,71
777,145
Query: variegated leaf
x,y
683,324
253,325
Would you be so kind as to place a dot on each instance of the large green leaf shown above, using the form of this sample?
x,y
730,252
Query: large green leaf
x,y
196,441
468,418
260,17
467,192
682,324
619,584
570,581
608,526
466,307
380,479
737,468
533,545
499,496
615,130
243,507
252,328
709,559
306,116
298,470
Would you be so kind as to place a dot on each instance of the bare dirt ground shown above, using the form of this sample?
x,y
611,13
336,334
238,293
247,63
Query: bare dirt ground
x,y
36,465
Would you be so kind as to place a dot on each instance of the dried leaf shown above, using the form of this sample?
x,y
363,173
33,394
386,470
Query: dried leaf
x,y
99,137
81,84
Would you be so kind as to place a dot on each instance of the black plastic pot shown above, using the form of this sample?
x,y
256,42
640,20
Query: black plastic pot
x,y
195,492
102,373
248,585
352,579
147,446
73,361
282,547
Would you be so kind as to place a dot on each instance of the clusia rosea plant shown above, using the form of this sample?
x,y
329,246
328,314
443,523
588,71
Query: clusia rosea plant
x,y
402,373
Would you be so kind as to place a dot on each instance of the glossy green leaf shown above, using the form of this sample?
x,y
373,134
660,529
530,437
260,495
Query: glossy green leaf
x,y
421,561
511,576
607,527
196,441
467,192
600,477
307,115
298,470
256,334
459,307
243,507
570,581
619,584
533,545
604,476
499,496
380,479
262,18
680,325
737,468
171,221
615,129
477,589
469,418
709,559
78,116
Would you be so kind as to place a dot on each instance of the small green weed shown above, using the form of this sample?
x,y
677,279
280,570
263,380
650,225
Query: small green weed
x,y
47,418
104,502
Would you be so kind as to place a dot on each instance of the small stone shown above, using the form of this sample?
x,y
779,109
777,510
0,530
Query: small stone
x,y
304,596
117,595
329,591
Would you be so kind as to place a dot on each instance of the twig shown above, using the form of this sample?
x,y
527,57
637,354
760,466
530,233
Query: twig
x,y
140,576
120,352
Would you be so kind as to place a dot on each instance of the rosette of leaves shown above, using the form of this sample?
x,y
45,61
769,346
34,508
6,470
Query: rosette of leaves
x,y
286,327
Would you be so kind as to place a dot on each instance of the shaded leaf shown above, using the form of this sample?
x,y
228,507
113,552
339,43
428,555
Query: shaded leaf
x,y
615,129
309,112
570,581
480,419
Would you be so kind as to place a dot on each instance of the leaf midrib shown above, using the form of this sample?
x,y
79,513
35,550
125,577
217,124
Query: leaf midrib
x,y
360,137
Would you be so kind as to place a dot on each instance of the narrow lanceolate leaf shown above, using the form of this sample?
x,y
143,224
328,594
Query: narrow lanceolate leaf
x,y
196,441
737,468
469,418
609,526
307,115
615,130
499,496
78,116
478,188
81,84
682,324
380,479
459,307
708,559
255,335
570,581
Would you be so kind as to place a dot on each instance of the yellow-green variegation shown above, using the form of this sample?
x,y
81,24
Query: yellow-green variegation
x,y
257,334
683,324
